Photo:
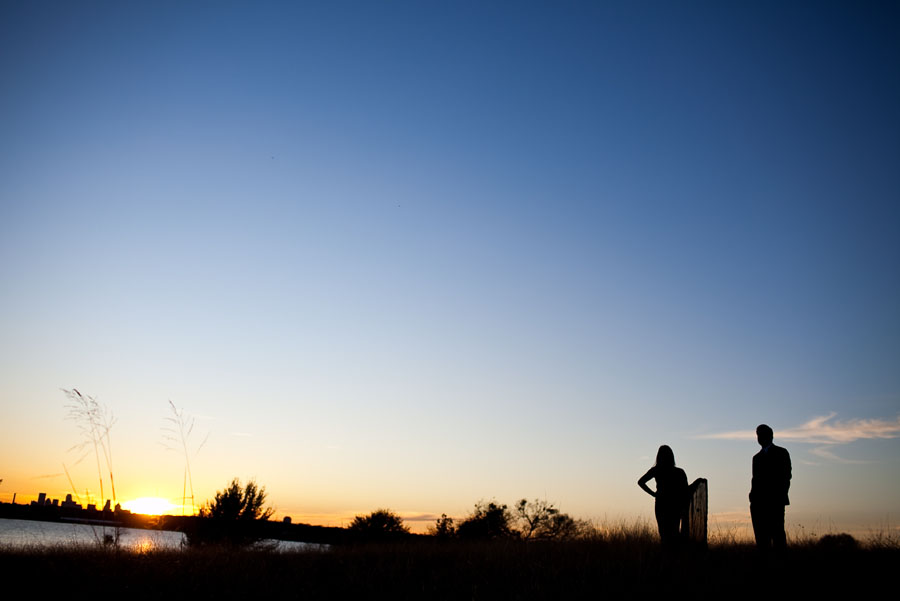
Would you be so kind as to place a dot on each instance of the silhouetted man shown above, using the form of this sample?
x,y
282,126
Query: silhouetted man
x,y
769,491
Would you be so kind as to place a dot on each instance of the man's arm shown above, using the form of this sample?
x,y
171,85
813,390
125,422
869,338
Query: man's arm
x,y
753,478
787,462
787,474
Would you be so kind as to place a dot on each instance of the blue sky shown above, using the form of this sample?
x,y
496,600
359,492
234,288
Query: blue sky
x,y
418,254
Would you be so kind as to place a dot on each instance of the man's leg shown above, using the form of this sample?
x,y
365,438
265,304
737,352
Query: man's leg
x,y
760,526
779,538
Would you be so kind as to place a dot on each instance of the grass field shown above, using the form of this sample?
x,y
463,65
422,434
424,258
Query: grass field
x,y
621,562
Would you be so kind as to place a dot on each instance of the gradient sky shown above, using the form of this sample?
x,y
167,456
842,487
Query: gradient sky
x,y
417,254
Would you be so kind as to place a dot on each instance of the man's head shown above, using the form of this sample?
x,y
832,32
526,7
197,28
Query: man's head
x,y
764,435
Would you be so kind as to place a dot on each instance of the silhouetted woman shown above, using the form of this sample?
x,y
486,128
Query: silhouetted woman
x,y
671,494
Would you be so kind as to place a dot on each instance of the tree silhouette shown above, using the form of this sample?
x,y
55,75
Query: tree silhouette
x,y
443,527
381,524
540,519
562,526
534,516
236,503
233,517
486,521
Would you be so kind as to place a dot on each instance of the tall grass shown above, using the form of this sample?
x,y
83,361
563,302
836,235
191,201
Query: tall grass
x,y
620,560
177,438
94,421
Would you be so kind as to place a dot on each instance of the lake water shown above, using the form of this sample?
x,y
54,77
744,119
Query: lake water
x,y
28,533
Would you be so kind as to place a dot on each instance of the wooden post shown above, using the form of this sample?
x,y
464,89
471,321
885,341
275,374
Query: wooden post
x,y
693,526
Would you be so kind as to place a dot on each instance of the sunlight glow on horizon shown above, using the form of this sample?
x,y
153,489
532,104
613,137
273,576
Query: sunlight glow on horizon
x,y
149,506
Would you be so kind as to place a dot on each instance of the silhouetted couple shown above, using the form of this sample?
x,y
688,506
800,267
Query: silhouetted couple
x,y
671,495
768,493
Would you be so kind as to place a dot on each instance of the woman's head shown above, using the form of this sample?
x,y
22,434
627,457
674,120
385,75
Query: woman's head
x,y
665,457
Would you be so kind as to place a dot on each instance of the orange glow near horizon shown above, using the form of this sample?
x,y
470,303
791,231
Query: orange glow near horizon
x,y
149,505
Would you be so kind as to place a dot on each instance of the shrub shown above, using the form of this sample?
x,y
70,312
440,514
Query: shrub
x,y
236,503
443,527
534,517
486,521
541,520
381,524
838,542
233,517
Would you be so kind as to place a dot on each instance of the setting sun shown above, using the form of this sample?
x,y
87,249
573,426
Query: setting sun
x,y
149,505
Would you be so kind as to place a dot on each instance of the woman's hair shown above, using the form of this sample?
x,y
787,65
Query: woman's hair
x,y
665,457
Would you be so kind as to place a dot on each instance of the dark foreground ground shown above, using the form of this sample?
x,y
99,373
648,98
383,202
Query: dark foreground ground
x,y
455,570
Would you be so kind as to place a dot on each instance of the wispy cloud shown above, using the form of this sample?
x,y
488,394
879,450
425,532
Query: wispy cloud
x,y
420,517
825,430
826,453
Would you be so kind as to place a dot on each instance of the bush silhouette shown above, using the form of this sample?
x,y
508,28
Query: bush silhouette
x,y
838,542
540,519
381,524
233,517
236,503
534,517
486,521
443,527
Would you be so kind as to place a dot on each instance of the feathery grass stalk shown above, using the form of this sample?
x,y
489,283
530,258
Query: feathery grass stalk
x,y
95,422
179,435
71,483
